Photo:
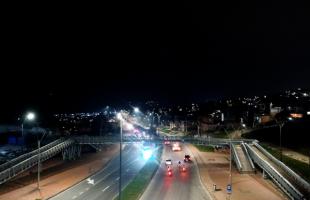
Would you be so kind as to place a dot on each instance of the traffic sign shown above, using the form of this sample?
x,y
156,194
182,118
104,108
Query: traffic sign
x,y
229,189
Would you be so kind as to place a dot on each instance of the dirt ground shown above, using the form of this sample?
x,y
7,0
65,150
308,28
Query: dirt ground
x,y
56,176
214,169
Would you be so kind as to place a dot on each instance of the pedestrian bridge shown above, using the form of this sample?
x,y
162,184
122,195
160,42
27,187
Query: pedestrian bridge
x,y
245,152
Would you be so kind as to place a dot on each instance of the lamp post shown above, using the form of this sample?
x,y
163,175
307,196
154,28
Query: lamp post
x,y
280,128
39,158
230,152
119,116
30,116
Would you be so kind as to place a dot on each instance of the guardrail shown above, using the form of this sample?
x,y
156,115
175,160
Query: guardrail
x,y
284,184
236,158
19,159
33,160
248,156
300,181
200,140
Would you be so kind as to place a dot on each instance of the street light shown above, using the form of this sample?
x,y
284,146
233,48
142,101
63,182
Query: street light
x,y
30,116
39,157
120,118
280,128
136,109
281,123
230,151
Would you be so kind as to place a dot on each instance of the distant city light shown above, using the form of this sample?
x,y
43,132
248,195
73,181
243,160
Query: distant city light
x,y
296,115
136,110
308,113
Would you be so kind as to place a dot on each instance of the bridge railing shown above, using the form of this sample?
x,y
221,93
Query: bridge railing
x,y
300,181
284,184
247,155
19,159
235,157
33,160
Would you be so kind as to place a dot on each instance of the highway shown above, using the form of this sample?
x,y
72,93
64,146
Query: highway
x,y
181,185
105,183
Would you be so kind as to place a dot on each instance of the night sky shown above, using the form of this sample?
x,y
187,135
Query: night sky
x,y
58,59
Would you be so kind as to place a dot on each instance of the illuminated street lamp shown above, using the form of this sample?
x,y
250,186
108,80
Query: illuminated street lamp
x,y
30,116
136,109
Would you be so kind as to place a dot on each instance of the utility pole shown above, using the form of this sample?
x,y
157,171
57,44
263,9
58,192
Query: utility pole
x,y
280,128
120,159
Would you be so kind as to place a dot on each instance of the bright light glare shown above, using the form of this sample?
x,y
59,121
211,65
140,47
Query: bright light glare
x,y
136,109
147,154
119,116
129,126
30,116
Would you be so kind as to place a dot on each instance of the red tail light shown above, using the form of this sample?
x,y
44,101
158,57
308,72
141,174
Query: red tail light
x,y
183,168
169,173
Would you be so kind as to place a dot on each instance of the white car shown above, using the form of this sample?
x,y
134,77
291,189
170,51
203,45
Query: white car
x,y
169,162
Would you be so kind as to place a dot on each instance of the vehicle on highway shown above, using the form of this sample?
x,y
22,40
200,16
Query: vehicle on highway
x,y
187,158
182,168
167,142
169,170
176,147
168,162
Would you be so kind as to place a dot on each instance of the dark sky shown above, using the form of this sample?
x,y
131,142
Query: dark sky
x,y
77,57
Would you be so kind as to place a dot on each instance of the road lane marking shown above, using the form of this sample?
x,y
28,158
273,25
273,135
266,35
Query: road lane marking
x,y
87,189
105,188
117,178
74,197
81,193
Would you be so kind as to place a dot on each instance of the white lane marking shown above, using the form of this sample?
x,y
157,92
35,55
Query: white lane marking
x,y
117,178
81,193
74,197
90,181
105,188
87,189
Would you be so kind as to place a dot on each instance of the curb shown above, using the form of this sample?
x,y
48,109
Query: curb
x,y
212,197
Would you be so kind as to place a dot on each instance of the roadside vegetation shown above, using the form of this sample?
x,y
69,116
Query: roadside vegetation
x,y
204,148
301,168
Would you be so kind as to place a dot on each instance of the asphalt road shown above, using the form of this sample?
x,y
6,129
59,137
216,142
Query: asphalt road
x,y
105,183
181,185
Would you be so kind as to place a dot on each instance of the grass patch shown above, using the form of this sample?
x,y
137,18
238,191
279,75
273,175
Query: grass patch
x,y
165,130
135,188
301,168
204,148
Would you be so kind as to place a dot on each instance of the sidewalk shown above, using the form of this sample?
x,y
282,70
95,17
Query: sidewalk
x,y
59,176
214,169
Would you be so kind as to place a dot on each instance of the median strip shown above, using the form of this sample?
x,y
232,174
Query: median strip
x,y
204,148
136,187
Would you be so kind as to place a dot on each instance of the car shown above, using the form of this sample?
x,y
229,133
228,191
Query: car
x,y
176,147
169,172
187,158
182,168
168,162
167,142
